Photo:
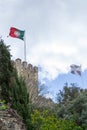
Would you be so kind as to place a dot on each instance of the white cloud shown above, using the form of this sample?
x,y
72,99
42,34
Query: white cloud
x,y
56,32
53,57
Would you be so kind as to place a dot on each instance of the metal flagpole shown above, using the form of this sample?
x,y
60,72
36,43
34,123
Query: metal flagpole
x,y
24,47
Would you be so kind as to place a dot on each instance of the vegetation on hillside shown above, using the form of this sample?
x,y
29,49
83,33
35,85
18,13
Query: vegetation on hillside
x,y
72,105
13,88
47,120
70,112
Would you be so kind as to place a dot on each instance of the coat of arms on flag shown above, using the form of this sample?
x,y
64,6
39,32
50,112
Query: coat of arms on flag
x,y
16,33
75,69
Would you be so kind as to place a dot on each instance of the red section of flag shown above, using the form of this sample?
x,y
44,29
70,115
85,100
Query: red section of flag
x,y
12,32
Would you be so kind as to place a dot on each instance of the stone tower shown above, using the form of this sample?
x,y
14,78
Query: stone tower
x,y
30,74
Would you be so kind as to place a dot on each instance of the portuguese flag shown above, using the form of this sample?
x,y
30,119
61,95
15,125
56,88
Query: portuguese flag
x,y
16,33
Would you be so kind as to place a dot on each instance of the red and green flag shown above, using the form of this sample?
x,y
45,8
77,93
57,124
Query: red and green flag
x,y
16,33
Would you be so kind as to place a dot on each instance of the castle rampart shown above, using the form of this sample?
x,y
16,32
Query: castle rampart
x,y
30,74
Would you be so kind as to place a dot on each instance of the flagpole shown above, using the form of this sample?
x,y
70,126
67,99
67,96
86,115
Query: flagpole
x,y
24,47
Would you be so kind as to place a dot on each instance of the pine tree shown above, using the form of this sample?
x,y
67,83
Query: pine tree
x,y
6,69
20,100
13,88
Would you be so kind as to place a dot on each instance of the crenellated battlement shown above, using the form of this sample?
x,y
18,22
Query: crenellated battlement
x,y
30,74
23,65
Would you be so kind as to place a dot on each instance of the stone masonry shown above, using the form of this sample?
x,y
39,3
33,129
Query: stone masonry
x,y
10,120
30,74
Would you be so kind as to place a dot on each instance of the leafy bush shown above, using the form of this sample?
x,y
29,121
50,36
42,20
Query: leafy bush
x,y
3,105
49,121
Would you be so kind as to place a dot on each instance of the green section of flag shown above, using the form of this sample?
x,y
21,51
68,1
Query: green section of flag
x,y
21,34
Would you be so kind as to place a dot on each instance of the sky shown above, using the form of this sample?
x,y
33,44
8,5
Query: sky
x,y
55,32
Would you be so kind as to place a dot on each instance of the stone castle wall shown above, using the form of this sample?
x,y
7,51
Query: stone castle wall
x,y
30,74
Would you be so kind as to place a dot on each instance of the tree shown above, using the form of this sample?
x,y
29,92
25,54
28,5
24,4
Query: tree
x,y
48,121
20,100
68,93
75,108
13,88
42,89
6,70
78,110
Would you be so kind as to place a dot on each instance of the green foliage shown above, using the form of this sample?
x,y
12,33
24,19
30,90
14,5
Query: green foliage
x,y
6,69
3,105
20,99
43,121
78,110
13,88
68,93
75,109
14,91
48,121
